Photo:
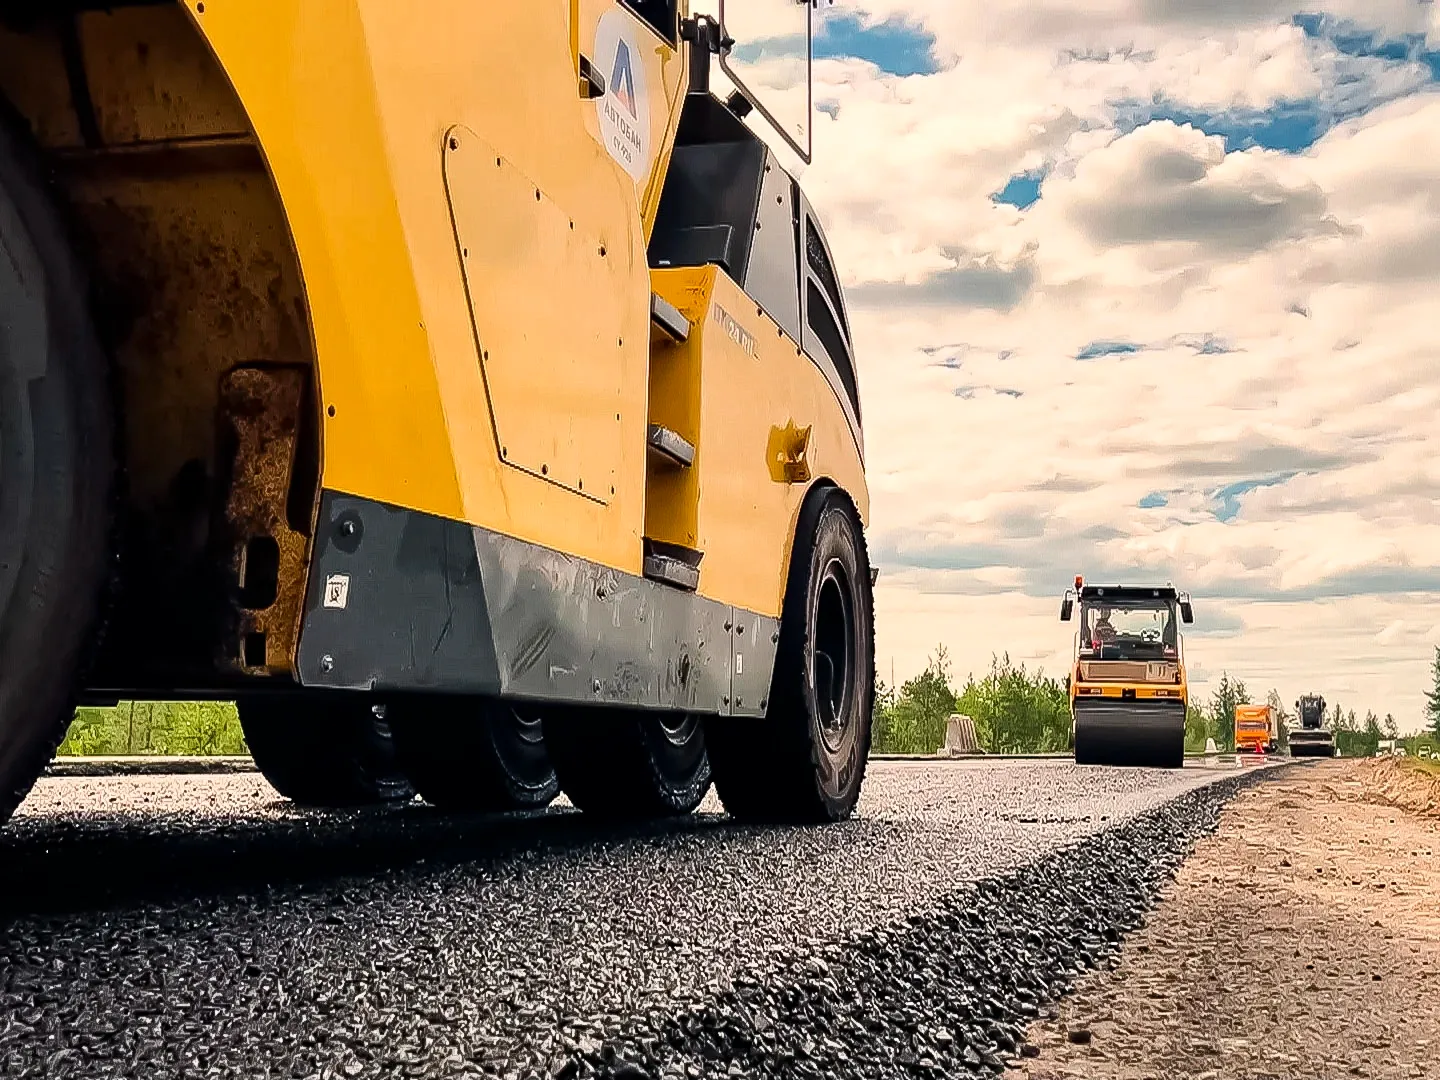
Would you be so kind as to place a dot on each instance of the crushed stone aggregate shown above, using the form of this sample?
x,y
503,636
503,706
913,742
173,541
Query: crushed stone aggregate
x,y
199,926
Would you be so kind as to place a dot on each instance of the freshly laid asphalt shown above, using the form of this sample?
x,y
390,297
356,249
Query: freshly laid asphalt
x,y
197,925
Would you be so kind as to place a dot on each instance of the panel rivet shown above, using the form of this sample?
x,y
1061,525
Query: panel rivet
x,y
597,686
327,663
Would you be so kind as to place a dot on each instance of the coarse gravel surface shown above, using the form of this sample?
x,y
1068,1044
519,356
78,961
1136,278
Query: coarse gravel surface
x,y
197,925
1301,940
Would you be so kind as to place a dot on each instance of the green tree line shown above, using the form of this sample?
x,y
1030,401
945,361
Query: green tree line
x,y
1021,711
1015,710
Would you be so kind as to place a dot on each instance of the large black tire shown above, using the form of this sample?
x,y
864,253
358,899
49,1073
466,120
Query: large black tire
x,y
805,761
324,750
57,474
629,764
465,753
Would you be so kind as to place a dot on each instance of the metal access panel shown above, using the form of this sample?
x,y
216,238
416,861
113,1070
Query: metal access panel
x,y
547,295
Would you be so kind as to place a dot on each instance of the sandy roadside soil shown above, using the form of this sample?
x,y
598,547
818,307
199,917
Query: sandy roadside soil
x,y
1300,940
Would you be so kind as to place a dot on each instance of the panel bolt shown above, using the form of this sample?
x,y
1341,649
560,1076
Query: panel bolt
x,y
327,663
347,528
596,686
774,637
727,626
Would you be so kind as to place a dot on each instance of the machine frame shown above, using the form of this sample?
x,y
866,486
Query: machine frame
x,y
485,354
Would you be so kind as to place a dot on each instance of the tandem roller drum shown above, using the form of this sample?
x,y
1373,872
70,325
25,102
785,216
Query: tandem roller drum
x,y
1132,733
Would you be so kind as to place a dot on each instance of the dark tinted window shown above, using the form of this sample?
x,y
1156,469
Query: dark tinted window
x,y
660,14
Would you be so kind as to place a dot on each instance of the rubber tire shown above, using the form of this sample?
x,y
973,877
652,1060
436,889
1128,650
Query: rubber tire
x,y
781,768
328,751
471,754
621,764
57,474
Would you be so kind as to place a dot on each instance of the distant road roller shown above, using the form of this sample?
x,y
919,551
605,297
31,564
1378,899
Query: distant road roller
x,y
1128,693
1311,738
465,389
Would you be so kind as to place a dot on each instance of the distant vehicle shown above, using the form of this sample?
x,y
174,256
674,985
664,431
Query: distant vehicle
x,y
1127,688
1257,730
1311,739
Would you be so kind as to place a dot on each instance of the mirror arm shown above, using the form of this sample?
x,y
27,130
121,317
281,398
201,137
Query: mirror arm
x,y
706,38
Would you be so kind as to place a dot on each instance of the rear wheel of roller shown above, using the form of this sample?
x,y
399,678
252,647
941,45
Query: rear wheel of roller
x,y
805,761
57,474
629,763
325,750
473,754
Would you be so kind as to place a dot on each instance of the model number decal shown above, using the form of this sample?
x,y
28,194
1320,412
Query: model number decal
x,y
735,331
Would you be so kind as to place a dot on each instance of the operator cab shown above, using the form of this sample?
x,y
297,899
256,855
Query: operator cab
x,y
729,201
1311,710
1127,622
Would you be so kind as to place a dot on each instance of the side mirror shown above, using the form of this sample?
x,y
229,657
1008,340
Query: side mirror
x,y
1187,613
1067,608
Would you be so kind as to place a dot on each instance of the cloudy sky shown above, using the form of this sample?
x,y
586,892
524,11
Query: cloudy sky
x,y
1143,289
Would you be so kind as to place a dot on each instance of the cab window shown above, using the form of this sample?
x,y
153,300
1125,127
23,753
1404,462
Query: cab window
x,y
659,15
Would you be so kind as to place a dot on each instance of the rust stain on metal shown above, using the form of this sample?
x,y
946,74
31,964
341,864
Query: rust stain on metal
x,y
261,406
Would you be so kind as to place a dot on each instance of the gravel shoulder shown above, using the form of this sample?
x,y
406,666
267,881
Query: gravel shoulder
x,y
1302,939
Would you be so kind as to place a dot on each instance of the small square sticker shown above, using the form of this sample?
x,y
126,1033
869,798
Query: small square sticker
x,y
337,590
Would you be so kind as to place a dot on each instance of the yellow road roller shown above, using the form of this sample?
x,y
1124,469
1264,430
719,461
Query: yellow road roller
x,y
464,389
1128,693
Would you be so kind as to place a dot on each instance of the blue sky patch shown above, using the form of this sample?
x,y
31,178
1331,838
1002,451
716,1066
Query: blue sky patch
x,y
1096,349
1154,501
1290,126
895,46
1293,126
1227,498
1022,190
1350,39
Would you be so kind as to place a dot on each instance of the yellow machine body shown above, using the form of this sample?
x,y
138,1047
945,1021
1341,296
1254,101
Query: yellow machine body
x,y
359,257
1119,680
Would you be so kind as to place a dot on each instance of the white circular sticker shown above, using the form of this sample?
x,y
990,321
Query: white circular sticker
x,y
625,108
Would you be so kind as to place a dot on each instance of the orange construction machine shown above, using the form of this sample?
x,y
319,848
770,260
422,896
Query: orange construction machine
x,y
1257,730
